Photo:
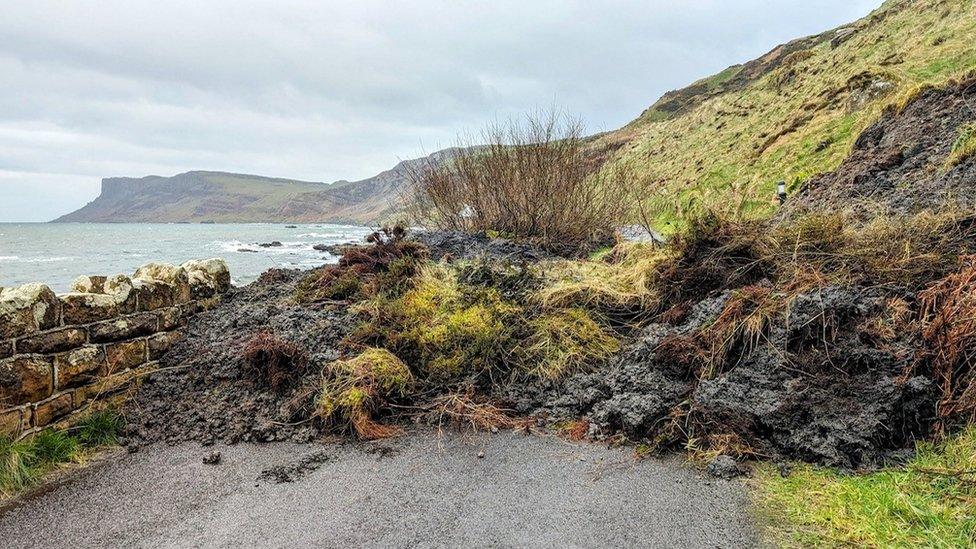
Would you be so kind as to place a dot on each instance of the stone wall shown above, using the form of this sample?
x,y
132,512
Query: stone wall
x,y
63,355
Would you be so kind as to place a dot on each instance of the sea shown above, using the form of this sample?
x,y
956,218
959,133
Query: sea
x,y
57,253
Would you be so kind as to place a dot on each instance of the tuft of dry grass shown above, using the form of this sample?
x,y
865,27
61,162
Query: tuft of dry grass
x,y
274,363
465,408
948,312
566,341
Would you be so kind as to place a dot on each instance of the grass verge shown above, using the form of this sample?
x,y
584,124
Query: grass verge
x,y
23,463
930,502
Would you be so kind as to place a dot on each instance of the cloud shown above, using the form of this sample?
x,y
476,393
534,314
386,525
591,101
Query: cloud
x,y
334,90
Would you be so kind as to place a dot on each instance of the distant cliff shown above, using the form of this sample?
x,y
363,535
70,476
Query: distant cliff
x,y
219,197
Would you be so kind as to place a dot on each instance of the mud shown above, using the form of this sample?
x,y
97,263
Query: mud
x,y
464,246
298,470
897,164
202,391
816,389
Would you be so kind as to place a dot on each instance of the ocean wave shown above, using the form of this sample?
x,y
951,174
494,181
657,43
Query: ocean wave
x,y
9,258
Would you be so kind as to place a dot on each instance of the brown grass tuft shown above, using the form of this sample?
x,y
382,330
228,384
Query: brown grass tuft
x,y
274,363
948,311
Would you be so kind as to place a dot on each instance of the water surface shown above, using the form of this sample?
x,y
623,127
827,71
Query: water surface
x,y
57,253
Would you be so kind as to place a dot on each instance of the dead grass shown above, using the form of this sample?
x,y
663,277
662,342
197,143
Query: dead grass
x,y
382,266
948,310
274,363
466,408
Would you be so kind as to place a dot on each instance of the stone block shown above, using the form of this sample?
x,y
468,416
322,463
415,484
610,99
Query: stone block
x,y
124,355
171,318
6,349
11,422
208,277
123,328
106,386
52,409
78,308
121,288
27,309
153,294
25,378
173,275
89,285
52,342
161,342
79,366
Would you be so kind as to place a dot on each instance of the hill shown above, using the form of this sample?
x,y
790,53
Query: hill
x,y
219,197
790,115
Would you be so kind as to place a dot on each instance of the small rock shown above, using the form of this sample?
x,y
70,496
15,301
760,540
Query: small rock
x,y
246,251
724,467
273,244
213,458
291,226
481,455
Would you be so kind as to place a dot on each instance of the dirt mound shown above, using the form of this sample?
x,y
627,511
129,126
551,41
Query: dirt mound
x,y
900,164
465,246
206,390
815,387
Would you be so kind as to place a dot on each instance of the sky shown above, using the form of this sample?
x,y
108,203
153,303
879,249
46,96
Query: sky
x,y
329,90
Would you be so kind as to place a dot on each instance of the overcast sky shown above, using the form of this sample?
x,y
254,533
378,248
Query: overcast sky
x,y
323,91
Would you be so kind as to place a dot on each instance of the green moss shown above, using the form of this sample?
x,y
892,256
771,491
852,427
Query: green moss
x,y
930,502
353,390
455,329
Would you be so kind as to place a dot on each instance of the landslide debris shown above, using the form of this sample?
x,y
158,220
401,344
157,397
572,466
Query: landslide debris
x,y
901,163
209,388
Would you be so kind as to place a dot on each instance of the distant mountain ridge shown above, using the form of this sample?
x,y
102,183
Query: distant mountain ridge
x,y
222,197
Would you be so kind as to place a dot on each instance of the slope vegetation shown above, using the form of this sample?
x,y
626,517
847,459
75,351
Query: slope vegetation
x,y
794,113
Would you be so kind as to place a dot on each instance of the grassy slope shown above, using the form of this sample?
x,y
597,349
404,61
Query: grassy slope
x,y
726,140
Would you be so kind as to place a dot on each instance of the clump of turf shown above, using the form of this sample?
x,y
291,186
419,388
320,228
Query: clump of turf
x,y
566,341
381,266
354,390
274,363
964,147
949,329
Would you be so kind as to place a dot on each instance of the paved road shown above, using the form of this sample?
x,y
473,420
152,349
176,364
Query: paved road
x,y
422,490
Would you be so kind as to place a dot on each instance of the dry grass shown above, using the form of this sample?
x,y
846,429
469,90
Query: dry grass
x,y
564,342
948,310
465,408
274,363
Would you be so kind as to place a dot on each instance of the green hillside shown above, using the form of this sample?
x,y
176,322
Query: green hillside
x,y
726,140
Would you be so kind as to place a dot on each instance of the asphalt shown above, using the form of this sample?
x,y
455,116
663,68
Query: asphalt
x,y
423,490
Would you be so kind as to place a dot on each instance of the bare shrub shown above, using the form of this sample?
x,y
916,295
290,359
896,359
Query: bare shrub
x,y
530,180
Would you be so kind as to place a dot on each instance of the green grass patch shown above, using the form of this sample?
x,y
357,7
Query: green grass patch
x,y
930,502
964,147
23,463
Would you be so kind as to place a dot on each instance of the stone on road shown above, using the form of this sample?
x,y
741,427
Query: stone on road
x,y
424,489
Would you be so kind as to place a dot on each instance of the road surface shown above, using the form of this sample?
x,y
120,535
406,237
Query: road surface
x,y
423,490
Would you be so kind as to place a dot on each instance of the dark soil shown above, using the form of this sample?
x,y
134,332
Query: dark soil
x,y
816,389
205,391
464,246
897,164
